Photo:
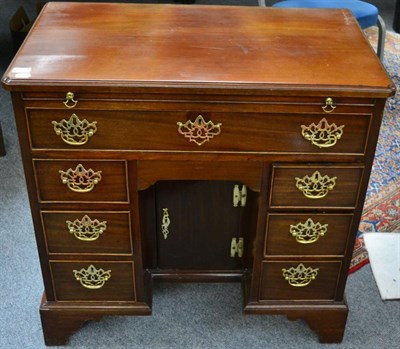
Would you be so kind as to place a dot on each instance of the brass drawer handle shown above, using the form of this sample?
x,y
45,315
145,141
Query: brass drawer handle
x,y
75,131
91,277
315,186
80,180
308,232
328,107
165,222
69,98
199,131
322,135
87,229
300,276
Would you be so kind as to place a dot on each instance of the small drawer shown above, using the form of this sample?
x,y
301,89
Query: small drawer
x,y
93,281
87,232
307,234
81,180
202,129
299,280
315,186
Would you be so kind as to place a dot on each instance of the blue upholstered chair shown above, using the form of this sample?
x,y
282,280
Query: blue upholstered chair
x,y
366,14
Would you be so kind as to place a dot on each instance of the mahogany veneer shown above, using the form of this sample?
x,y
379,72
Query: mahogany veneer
x,y
279,241
284,192
267,132
274,287
112,186
116,238
125,113
120,287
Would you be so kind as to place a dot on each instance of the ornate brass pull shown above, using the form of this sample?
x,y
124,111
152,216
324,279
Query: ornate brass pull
x,y
328,107
165,223
308,232
80,180
91,277
299,276
69,98
199,131
86,229
74,131
322,135
315,186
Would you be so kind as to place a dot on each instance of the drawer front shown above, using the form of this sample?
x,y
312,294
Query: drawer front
x,y
307,234
200,130
315,186
81,181
87,232
93,281
274,286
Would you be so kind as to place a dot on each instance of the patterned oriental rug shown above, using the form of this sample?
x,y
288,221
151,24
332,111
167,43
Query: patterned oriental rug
x,y
382,205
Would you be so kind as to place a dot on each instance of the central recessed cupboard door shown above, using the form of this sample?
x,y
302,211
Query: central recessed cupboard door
x,y
196,222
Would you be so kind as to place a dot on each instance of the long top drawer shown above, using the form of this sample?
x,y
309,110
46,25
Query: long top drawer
x,y
280,127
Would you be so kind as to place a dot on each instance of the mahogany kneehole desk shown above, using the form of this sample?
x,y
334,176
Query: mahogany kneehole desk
x,y
195,143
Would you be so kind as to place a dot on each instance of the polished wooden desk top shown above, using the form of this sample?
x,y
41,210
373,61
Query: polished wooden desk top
x,y
185,45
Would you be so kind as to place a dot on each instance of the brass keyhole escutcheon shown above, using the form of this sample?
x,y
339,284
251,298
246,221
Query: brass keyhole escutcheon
x,y
165,222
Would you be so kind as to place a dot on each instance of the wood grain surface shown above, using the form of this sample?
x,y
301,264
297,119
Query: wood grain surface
x,y
158,130
279,241
119,287
116,238
275,287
